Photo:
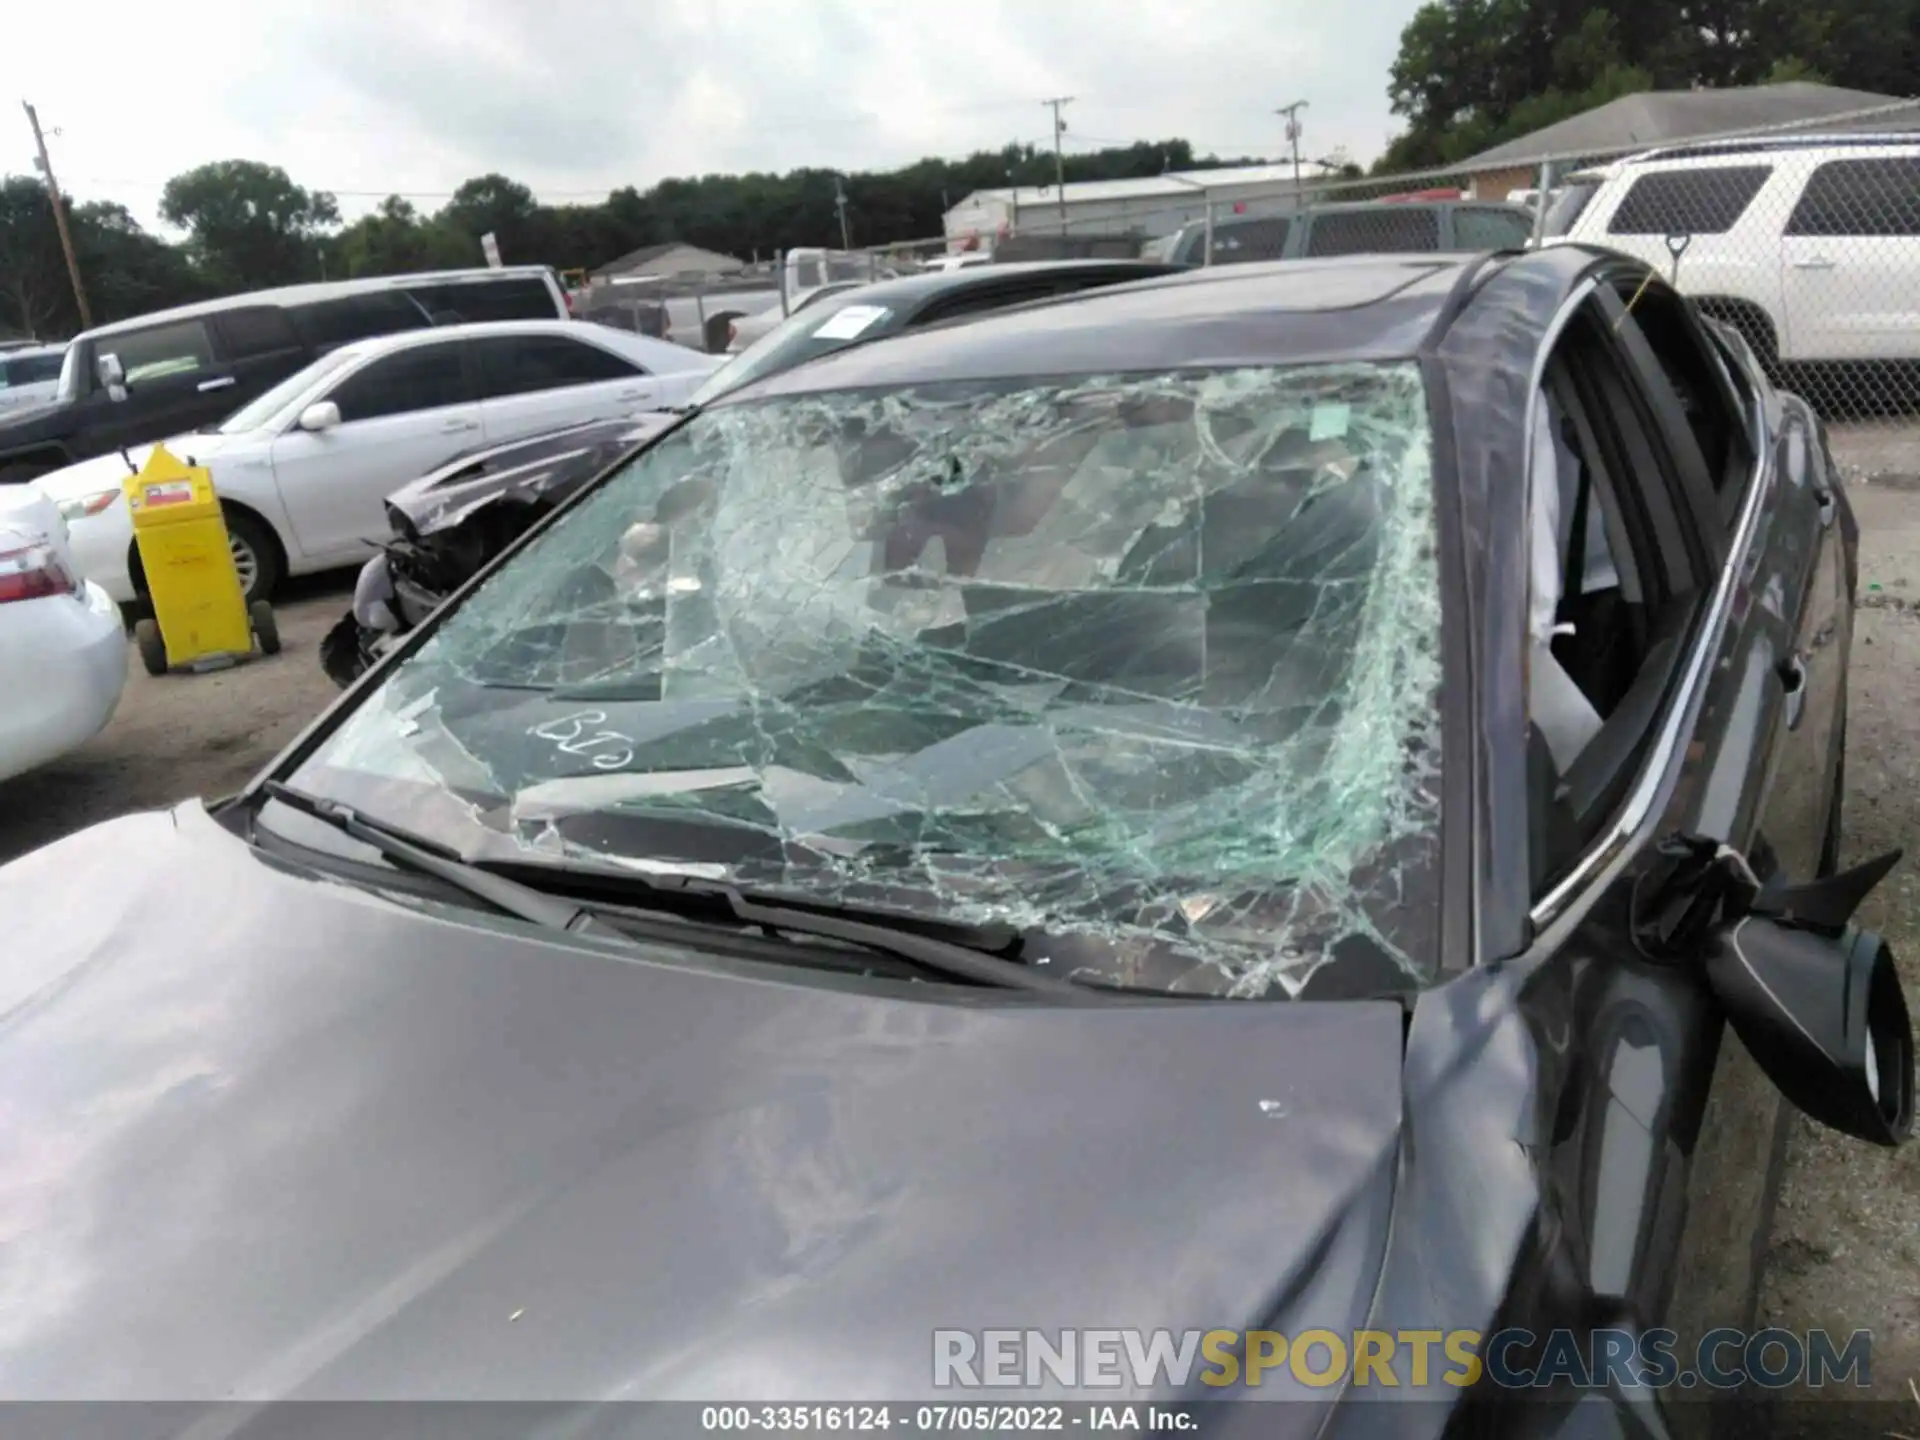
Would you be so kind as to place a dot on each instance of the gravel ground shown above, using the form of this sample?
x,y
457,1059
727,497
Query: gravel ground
x,y
1846,1250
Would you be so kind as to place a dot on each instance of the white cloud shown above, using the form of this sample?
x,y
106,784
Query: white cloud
x,y
575,97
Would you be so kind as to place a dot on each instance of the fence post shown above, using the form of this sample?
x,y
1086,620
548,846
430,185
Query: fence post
x,y
1206,254
1543,182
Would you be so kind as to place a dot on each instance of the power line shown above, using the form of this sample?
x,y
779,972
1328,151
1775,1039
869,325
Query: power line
x,y
60,218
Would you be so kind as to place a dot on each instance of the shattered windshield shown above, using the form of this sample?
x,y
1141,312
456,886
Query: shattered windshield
x,y
1144,665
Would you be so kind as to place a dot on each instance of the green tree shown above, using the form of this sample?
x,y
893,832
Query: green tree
x,y
126,271
395,240
248,224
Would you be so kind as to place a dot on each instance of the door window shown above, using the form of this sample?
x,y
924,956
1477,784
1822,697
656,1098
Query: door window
x,y
1615,583
1860,197
422,377
1700,200
256,330
1391,229
163,350
1484,228
522,364
1241,241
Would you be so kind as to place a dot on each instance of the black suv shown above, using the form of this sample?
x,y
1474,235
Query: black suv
x,y
173,371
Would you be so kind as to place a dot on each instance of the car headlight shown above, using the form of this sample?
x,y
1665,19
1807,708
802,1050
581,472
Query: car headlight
x,y
81,506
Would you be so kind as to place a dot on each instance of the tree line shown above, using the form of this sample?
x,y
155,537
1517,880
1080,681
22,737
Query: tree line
x,y
1470,74
249,225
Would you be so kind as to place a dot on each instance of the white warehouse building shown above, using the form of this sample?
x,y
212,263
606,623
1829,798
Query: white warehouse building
x,y
1152,206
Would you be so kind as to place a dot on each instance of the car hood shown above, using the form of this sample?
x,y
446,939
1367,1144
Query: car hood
x,y
270,1136
547,466
105,472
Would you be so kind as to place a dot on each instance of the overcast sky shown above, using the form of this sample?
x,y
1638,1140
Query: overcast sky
x,y
574,98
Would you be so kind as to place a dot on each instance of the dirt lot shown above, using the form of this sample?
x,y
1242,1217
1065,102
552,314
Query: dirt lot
x,y
1847,1245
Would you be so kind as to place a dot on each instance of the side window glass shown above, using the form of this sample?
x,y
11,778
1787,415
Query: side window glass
x,y
1479,228
1612,589
461,303
256,330
1877,197
1390,229
182,348
424,377
332,323
521,364
1699,200
1700,386
1250,240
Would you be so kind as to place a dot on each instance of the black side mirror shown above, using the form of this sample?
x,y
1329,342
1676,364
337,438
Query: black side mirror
x,y
1826,1018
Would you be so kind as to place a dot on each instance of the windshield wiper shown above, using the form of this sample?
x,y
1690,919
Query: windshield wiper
x,y
977,956
416,853
694,900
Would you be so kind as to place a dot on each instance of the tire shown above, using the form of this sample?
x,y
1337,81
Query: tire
x,y
153,649
265,628
256,555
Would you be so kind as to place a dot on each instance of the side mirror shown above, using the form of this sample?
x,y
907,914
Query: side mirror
x,y
1826,1019
112,376
321,415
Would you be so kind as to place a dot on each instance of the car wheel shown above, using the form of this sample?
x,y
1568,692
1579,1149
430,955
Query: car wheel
x,y
265,628
256,555
152,648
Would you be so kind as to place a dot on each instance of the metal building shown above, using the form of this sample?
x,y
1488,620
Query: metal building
x,y
1150,207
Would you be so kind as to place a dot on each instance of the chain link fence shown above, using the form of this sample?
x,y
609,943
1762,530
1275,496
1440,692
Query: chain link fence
x,y
1805,236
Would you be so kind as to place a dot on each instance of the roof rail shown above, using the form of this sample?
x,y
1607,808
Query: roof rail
x,y
1752,144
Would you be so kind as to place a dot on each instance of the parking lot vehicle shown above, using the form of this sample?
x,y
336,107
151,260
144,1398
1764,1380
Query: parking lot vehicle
x,y
1077,785
1809,245
449,523
29,376
1369,227
141,380
303,471
63,654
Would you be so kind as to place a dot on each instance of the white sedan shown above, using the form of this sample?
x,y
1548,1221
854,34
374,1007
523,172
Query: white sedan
x,y
63,653
304,470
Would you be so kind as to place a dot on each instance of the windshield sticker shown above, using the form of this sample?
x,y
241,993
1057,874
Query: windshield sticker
x,y
850,322
1144,666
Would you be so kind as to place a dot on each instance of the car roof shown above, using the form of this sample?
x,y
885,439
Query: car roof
x,y
908,291
34,352
314,294
476,330
1358,307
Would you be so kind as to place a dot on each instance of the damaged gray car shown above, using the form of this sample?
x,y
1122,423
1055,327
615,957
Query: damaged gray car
x,y
1286,797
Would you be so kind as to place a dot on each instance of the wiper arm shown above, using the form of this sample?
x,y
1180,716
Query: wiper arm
x,y
419,854
704,899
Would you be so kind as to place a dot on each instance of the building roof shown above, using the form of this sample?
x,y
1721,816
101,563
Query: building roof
x,y
1662,117
647,254
1172,185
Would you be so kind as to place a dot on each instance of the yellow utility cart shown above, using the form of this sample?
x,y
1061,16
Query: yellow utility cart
x,y
201,618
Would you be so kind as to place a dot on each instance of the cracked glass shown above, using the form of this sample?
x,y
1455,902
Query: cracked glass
x,y
1146,666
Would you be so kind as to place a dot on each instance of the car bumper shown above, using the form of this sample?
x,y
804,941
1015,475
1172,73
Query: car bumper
x,y
100,545
63,661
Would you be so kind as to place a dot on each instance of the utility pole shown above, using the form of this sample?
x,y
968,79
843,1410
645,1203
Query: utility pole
x,y
1059,161
60,219
840,204
1292,112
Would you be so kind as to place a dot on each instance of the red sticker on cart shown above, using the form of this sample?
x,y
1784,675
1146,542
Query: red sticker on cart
x,y
173,493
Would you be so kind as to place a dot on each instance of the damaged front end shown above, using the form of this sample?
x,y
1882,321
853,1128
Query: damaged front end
x,y
448,525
